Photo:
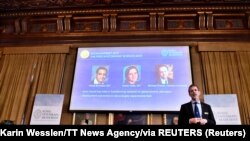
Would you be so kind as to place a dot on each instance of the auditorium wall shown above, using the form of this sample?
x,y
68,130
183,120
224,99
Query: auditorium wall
x,y
205,26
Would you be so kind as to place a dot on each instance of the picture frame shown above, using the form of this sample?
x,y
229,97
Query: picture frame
x,y
130,119
172,119
84,118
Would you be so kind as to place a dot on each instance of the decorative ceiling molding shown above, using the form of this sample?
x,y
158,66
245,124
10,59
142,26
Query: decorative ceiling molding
x,y
125,10
13,5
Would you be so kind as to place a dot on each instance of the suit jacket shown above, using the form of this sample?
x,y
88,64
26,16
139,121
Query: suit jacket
x,y
186,112
170,82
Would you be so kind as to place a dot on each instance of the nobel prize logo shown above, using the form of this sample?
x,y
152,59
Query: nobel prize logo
x,y
171,53
164,52
84,54
37,114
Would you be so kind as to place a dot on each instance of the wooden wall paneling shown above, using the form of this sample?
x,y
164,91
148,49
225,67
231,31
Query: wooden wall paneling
x,y
24,25
224,46
102,119
160,21
57,4
113,22
181,21
8,26
164,117
156,119
153,24
67,23
105,23
248,19
89,23
202,20
231,21
197,68
110,118
67,116
60,21
17,26
37,49
209,20
134,21
1,59
44,24
137,22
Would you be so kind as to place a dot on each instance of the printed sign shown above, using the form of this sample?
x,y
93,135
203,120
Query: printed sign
x,y
47,109
225,108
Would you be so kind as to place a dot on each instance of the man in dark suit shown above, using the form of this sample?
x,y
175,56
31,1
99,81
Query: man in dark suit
x,y
164,74
195,111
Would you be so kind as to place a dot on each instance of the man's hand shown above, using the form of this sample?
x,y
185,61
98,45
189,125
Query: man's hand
x,y
194,120
203,121
200,121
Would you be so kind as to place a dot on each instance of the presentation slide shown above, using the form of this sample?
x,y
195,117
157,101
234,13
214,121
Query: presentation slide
x,y
145,78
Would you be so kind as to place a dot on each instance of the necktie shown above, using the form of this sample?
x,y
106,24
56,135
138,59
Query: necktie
x,y
196,110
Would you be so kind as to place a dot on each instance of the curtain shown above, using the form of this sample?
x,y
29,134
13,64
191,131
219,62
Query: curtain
x,y
228,72
1,52
24,75
243,59
1,60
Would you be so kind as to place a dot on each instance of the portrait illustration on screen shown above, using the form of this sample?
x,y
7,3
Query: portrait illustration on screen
x,y
99,75
131,75
164,74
